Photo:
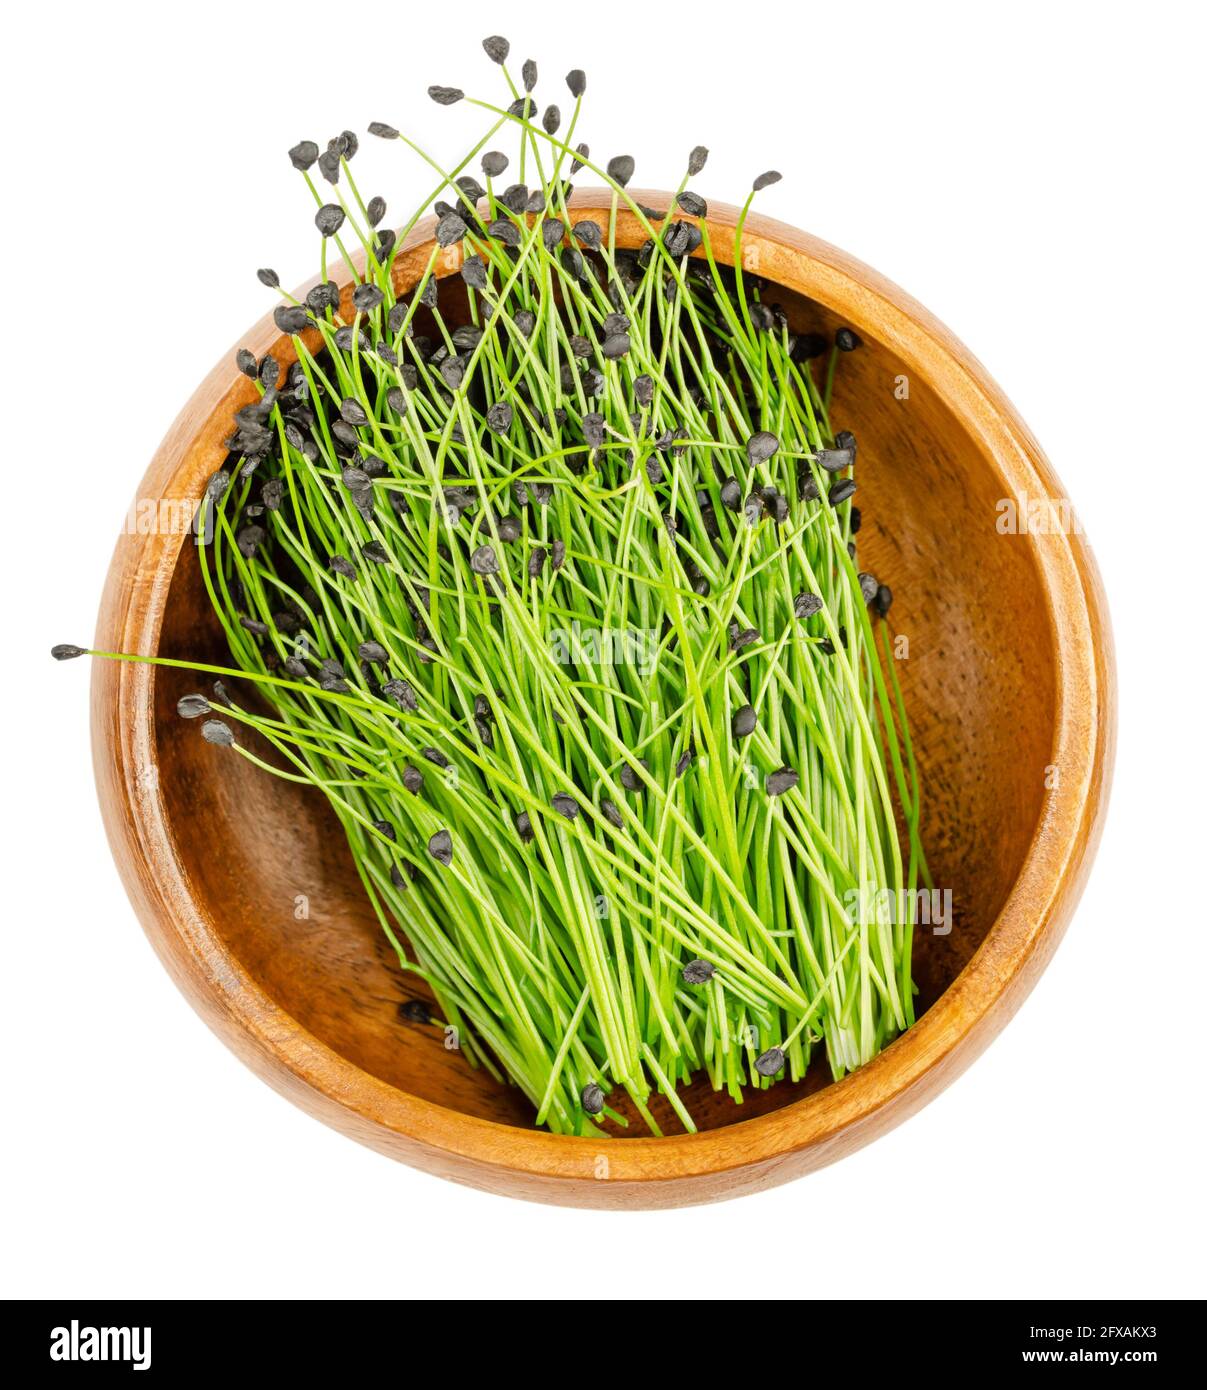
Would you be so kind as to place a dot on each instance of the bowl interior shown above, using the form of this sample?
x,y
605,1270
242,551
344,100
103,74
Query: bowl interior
x,y
267,859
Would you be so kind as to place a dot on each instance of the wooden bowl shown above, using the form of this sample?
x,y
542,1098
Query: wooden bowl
x,y
1009,682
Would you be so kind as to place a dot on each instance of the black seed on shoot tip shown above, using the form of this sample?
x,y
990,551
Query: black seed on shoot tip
x,y
620,169
847,340
192,706
412,779
692,204
592,1098
503,230
366,298
402,693
303,154
329,218
382,130
551,120
776,504
217,731
445,96
523,825
246,362
384,827
494,162
761,446
353,412
528,74
869,585
844,488
471,190
269,278
883,600
611,813
834,460
844,439
576,80
771,1063
629,778
766,180
497,48
499,417
583,152
805,605
473,272
484,561
697,160
415,1011
450,229
452,372
565,805
782,780
744,721
67,651
589,234
290,318
248,540
374,652
699,972
440,847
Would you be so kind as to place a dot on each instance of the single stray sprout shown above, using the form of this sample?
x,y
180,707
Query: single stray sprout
x,y
546,580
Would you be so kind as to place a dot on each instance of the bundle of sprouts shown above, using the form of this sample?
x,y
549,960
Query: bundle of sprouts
x,y
544,575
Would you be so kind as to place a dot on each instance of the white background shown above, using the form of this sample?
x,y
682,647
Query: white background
x,y
1032,174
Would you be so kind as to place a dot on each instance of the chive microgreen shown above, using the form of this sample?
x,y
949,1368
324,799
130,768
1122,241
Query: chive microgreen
x,y
581,548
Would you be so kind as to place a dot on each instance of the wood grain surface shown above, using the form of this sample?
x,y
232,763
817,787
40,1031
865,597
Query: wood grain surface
x,y
1010,686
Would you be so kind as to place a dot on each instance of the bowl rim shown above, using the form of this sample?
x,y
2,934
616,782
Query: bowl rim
x,y
748,1154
